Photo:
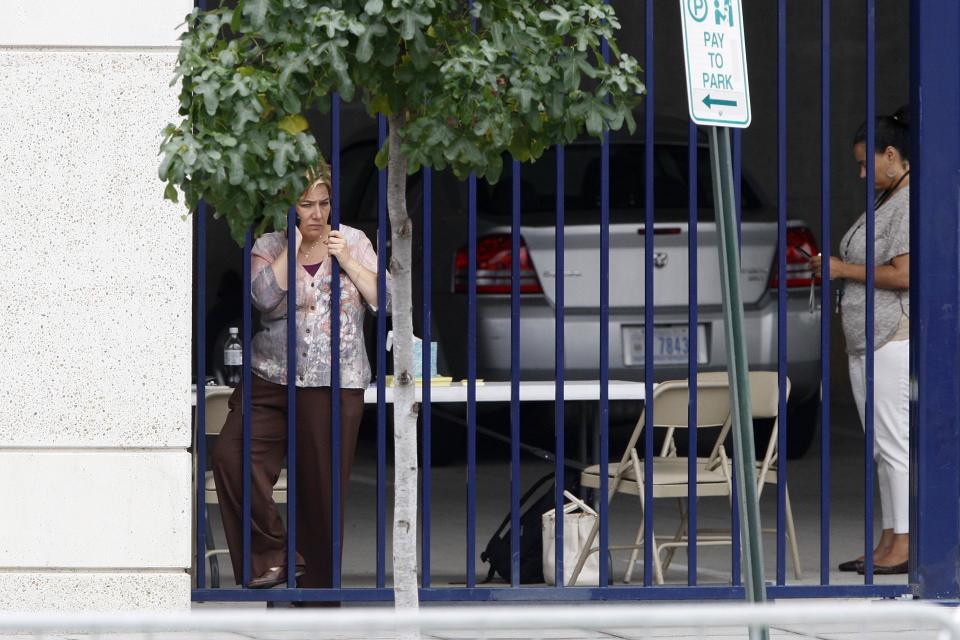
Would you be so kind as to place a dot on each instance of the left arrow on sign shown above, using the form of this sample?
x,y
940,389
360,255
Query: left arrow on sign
x,y
720,103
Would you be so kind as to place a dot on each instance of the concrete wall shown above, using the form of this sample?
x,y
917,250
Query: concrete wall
x,y
96,290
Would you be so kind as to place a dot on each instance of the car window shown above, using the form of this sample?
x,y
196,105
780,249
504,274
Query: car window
x,y
358,183
582,170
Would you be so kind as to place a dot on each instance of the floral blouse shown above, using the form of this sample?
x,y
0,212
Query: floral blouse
x,y
313,316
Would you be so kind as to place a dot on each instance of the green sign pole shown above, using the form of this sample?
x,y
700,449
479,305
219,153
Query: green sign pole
x,y
745,477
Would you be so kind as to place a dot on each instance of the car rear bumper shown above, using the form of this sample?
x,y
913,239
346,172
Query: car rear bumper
x,y
582,339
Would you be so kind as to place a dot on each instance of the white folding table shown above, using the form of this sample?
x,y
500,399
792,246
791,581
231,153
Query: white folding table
x,y
530,391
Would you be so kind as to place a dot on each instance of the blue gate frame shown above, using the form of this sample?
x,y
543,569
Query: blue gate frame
x,y
935,379
935,288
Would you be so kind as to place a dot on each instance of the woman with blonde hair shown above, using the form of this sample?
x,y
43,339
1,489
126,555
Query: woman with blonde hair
x,y
317,245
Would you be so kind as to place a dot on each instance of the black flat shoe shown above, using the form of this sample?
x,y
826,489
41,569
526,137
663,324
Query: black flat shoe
x,y
851,565
885,569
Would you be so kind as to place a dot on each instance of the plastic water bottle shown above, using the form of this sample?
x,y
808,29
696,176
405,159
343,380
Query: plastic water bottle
x,y
233,358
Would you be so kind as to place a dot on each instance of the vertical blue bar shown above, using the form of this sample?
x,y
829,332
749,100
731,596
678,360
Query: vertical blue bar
x,y
201,346
515,379
247,377
335,429
291,398
825,300
427,372
782,289
604,345
471,379
559,369
935,297
471,366
381,362
869,306
692,350
649,327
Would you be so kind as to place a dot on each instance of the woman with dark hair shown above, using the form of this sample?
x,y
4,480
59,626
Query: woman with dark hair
x,y
891,319
316,247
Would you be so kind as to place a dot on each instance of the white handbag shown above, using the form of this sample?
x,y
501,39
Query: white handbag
x,y
578,521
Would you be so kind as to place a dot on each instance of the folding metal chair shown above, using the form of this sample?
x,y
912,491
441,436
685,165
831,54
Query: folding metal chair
x,y
669,478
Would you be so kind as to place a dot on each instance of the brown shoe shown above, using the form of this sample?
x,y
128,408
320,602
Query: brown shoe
x,y
272,577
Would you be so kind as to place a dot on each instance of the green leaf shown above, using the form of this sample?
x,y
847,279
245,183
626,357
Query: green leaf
x,y
594,122
571,75
364,47
170,193
262,227
410,20
211,95
380,103
290,102
494,168
519,145
237,14
373,7
276,212
293,124
383,156
235,170
169,154
282,150
256,10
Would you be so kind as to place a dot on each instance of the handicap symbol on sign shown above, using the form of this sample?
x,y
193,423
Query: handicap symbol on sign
x,y
697,9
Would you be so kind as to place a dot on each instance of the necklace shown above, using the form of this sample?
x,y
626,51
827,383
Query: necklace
x,y
308,254
883,197
879,202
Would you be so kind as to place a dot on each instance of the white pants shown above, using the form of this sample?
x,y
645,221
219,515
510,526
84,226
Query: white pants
x,y
891,427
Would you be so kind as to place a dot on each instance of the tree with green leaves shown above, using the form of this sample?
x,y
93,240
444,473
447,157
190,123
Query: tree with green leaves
x,y
459,84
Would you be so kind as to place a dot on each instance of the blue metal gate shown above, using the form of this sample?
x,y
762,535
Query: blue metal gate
x,y
935,298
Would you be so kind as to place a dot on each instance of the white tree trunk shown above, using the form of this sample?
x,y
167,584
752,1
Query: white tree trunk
x,y
404,408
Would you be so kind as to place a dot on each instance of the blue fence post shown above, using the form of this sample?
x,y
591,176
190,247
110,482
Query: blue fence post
x,y
935,297
382,251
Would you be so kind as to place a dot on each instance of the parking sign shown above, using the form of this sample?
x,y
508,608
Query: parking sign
x,y
714,50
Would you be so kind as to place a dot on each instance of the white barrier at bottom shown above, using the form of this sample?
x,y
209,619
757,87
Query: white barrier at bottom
x,y
538,621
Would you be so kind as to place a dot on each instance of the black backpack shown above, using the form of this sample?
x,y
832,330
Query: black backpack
x,y
537,500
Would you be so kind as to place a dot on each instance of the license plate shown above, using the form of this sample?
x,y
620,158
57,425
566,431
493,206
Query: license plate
x,y
671,344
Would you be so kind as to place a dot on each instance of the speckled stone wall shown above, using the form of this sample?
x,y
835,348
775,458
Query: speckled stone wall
x,y
96,266
95,302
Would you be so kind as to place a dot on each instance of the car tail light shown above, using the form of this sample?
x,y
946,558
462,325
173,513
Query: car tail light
x,y
800,246
494,256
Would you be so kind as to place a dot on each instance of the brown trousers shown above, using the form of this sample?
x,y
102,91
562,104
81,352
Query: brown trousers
x,y
268,430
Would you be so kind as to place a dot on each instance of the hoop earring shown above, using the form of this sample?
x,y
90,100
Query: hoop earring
x,y
891,175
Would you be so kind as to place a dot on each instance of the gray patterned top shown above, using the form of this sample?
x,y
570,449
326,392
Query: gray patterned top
x,y
313,316
891,239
